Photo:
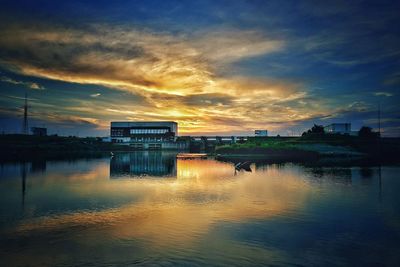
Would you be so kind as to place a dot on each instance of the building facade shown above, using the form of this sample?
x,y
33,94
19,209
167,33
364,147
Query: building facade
x,y
145,135
338,128
39,131
261,132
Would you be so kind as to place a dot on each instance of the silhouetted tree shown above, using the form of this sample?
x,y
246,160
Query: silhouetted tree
x,y
316,129
366,132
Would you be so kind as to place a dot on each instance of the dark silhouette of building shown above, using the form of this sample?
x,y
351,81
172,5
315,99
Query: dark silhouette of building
x,y
39,131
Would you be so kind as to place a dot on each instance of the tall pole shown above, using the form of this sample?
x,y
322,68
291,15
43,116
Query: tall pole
x,y
25,123
379,132
379,118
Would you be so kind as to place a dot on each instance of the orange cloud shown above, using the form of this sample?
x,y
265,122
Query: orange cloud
x,y
179,77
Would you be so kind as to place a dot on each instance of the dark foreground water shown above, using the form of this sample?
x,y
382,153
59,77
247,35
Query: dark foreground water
x,y
149,208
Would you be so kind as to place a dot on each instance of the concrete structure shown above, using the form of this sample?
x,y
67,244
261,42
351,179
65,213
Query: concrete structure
x,y
208,143
163,135
261,132
106,139
146,135
39,131
338,128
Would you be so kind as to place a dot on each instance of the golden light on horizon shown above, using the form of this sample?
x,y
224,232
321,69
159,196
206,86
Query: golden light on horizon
x,y
184,206
171,77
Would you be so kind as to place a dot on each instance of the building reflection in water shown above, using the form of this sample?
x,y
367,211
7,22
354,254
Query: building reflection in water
x,y
143,164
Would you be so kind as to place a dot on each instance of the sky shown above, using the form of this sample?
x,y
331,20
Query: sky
x,y
216,67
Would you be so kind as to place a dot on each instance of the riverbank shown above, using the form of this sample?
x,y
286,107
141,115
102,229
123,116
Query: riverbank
x,y
21,147
328,147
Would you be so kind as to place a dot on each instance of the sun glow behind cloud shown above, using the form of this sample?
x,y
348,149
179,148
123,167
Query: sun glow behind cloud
x,y
181,78
213,67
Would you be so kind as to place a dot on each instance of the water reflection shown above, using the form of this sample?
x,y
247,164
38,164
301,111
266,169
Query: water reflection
x,y
366,172
333,174
38,166
167,212
23,178
206,215
143,163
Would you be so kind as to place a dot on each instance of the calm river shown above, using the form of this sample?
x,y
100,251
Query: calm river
x,y
148,208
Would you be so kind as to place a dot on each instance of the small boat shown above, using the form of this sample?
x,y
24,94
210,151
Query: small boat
x,y
111,154
243,166
191,156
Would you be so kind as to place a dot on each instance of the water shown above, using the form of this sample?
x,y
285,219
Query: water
x,y
148,208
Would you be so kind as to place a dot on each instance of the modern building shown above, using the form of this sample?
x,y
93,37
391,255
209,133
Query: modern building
x,y
261,132
39,131
145,135
338,128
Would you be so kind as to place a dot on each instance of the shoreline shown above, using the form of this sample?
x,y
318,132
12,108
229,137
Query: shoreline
x,y
332,148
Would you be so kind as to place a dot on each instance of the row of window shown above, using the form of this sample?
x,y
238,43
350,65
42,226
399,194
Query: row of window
x,y
149,131
150,139
142,139
117,132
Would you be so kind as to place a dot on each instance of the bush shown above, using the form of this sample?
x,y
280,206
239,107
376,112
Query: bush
x,y
315,130
366,132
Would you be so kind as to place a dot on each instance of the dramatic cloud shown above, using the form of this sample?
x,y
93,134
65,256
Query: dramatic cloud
x,y
212,67
179,76
126,58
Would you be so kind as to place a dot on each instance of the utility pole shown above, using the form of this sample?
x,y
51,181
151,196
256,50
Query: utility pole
x,y
379,118
379,132
25,122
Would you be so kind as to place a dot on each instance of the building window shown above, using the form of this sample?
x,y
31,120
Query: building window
x,y
117,132
141,131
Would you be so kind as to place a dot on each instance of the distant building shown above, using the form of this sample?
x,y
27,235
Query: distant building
x,y
338,128
146,135
261,132
39,131
106,139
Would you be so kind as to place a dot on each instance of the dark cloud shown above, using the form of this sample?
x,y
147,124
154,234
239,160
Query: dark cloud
x,y
69,52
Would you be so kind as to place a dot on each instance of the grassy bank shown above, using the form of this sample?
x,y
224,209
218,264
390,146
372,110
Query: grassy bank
x,y
309,147
28,146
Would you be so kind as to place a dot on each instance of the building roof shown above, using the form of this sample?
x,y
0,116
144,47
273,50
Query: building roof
x,y
141,123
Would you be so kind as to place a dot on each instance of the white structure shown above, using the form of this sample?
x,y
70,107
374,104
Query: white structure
x,y
106,139
261,132
338,128
145,135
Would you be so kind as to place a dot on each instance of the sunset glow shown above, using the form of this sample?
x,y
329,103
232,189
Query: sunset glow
x,y
256,71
